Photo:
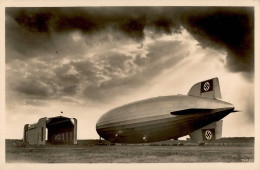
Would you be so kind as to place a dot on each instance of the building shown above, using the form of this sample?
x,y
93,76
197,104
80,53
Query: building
x,y
55,130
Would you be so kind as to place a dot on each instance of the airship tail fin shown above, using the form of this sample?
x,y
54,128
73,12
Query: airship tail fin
x,y
208,89
208,133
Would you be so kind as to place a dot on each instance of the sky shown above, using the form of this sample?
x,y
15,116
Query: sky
x,y
84,61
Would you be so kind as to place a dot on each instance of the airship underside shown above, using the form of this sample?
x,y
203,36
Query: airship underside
x,y
164,118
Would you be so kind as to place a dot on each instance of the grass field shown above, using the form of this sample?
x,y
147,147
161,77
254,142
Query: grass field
x,y
129,154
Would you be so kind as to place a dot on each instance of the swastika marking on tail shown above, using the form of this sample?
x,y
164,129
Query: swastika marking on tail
x,y
206,86
208,134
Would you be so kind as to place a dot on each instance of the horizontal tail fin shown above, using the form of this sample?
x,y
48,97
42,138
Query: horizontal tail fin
x,y
208,89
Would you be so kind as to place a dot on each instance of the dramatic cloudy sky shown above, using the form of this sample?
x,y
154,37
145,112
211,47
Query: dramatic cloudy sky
x,y
86,61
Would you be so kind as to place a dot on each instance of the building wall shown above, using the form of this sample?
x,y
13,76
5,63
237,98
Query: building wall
x,y
75,131
25,130
36,133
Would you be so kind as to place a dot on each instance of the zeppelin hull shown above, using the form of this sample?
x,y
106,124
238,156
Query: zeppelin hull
x,y
152,120
159,129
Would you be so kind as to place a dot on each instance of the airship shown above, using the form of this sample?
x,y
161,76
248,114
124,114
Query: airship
x,y
198,114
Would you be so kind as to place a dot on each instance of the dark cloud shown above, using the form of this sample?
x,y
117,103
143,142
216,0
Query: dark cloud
x,y
65,81
231,29
44,37
33,88
228,28
22,44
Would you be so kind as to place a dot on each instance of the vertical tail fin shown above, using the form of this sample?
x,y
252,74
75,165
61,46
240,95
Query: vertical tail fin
x,y
208,89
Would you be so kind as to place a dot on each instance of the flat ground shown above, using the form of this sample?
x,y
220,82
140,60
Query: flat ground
x,y
129,154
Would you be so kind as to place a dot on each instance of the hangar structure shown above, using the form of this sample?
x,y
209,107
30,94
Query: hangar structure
x,y
58,130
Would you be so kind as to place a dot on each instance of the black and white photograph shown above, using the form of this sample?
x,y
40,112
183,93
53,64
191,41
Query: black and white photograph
x,y
129,85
